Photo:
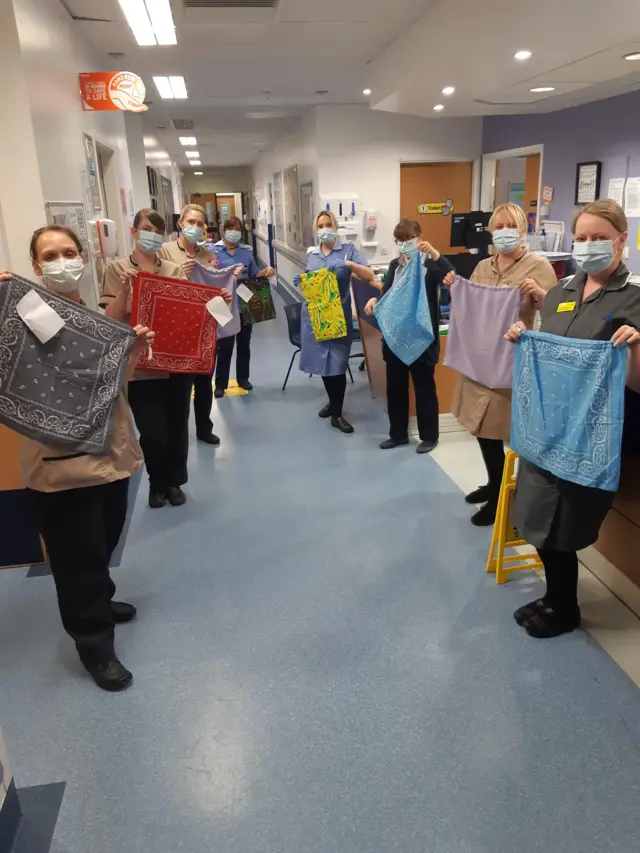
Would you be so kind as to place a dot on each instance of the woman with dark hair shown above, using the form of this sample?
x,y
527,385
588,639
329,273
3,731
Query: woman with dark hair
x,y
160,401
437,270
80,500
230,252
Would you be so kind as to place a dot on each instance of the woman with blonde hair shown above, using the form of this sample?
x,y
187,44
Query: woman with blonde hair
x,y
486,412
329,359
601,302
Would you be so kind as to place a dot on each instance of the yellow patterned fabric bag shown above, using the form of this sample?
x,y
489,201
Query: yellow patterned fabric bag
x,y
322,294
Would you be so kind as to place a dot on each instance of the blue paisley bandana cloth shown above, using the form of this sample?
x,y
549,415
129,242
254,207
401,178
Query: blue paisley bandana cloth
x,y
568,407
62,393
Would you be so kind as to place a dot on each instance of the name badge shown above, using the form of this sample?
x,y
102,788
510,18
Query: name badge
x,y
566,306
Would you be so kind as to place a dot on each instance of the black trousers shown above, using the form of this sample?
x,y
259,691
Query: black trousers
x,y
81,528
492,450
202,402
424,385
336,388
561,572
161,411
243,356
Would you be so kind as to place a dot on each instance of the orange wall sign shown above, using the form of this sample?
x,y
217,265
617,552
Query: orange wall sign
x,y
109,90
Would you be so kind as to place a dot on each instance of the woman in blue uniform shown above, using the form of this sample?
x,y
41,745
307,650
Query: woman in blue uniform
x,y
329,359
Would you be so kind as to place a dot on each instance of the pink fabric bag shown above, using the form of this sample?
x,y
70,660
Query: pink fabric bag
x,y
481,315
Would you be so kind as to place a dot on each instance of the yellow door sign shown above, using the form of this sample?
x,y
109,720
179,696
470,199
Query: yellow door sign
x,y
444,208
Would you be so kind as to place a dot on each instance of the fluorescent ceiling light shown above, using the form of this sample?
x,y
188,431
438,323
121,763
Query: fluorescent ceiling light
x,y
439,107
188,140
151,21
366,92
171,87
195,163
543,89
149,142
194,154
448,90
198,173
522,55
632,57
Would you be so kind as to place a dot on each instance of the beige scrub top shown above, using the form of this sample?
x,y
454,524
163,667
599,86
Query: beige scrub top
x,y
484,412
174,252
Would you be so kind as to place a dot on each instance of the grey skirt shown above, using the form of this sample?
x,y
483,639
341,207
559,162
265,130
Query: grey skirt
x,y
552,513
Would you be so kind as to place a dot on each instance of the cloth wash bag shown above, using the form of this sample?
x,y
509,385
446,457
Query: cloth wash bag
x,y
260,307
322,295
481,315
226,279
62,392
403,313
568,407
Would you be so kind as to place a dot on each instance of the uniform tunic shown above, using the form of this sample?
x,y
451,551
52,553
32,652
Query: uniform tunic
x,y
550,512
173,251
484,412
329,358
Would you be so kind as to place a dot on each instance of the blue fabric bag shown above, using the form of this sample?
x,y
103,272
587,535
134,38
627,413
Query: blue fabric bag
x,y
567,408
403,313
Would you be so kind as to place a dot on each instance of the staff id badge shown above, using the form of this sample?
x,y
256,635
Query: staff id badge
x,y
566,306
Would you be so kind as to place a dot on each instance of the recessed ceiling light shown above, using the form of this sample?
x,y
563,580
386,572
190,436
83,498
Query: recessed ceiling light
x,y
198,173
149,142
366,92
439,107
448,90
151,21
522,55
632,57
171,87
195,163
192,154
188,140
543,89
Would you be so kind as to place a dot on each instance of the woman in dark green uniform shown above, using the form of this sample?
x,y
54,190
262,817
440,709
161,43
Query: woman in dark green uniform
x,y
600,303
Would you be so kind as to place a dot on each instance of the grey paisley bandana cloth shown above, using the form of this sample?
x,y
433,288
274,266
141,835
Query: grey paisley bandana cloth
x,y
63,392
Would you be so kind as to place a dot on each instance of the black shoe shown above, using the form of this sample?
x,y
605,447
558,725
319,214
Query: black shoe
x,y
176,496
480,495
218,393
548,623
486,515
156,499
426,446
111,675
245,385
527,611
209,438
122,612
325,411
390,443
341,424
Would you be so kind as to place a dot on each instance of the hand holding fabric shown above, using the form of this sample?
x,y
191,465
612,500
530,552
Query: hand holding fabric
x,y
368,308
188,266
267,272
296,281
513,335
626,335
449,278
144,339
226,295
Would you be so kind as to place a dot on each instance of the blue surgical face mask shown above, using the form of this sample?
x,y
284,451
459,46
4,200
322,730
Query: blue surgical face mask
x,y
507,240
192,233
327,235
149,242
594,256
233,237
408,247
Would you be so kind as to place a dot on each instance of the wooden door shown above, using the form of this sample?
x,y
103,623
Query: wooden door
x,y
427,186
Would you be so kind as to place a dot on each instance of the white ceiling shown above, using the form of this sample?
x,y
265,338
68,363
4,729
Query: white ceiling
x,y
405,50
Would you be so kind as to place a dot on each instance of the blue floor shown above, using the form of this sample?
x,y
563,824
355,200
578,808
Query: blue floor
x,y
321,666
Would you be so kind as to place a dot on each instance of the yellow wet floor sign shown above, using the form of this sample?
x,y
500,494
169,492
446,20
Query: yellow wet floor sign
x,y
234,390
505,536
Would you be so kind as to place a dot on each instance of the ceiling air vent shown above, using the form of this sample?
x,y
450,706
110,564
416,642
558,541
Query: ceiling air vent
x,y
230,4
183,123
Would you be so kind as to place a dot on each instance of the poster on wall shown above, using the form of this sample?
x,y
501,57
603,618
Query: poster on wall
x,y
71,214
588,182
111,91
278,212
632,198
293,236
307,214
92,173
166,189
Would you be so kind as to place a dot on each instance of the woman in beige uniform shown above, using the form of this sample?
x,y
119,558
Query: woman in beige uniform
x,y
486,413
79,500
160,401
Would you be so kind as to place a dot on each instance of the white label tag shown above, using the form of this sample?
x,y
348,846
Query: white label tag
x,y
43,321
219,310
244,293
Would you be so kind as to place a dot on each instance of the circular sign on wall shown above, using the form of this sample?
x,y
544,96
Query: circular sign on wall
x,y
127,92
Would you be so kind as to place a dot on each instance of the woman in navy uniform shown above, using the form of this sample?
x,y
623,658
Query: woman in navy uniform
x,y
329,359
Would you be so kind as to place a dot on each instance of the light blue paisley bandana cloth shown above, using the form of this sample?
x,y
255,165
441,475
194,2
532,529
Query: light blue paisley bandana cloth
x,y
403,313
567,407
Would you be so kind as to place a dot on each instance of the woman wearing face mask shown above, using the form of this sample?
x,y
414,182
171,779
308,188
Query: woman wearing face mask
x,y
79,500
486,413
600,303
230,252
160,401
436,271
329,359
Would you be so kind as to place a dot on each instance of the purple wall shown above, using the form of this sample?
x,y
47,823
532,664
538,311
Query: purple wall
x,y
608,131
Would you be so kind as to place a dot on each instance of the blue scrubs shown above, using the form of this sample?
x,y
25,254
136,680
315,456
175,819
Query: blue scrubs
x,y
329,358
